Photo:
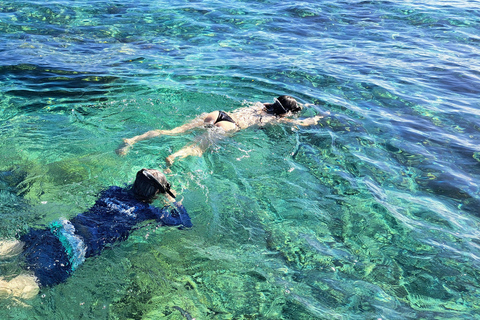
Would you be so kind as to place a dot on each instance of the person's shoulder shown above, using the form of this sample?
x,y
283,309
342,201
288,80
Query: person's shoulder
x,y
112,190
116,192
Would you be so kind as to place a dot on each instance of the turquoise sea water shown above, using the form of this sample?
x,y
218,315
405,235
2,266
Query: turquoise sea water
x,y
372,214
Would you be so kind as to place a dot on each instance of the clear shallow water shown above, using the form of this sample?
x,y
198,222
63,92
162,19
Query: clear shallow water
x,y
374,213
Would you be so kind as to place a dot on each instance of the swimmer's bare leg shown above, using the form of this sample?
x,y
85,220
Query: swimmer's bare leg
x,y
23,286
124,148
190,150
194,149
128,143
10,248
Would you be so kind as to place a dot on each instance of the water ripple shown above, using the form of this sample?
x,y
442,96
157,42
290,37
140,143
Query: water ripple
x,y
373,213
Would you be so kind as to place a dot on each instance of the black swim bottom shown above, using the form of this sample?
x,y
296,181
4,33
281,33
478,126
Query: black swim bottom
x,y
223,116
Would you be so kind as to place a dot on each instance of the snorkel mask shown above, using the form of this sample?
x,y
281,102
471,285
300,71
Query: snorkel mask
x,y
163,185
276,108
283,105
149,182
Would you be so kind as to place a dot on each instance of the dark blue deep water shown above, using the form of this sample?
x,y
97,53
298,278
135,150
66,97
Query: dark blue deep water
x,y
374,213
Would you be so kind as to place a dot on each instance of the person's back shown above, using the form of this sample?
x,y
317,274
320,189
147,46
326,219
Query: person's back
x,y
116,213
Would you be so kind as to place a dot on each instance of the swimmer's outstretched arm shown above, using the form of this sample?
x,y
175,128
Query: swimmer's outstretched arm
x,y
129,142
303,122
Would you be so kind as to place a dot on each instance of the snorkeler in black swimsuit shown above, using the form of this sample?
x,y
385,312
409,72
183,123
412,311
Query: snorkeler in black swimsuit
x,y
258,114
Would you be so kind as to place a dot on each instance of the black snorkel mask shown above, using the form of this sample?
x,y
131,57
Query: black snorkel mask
x,y
163,188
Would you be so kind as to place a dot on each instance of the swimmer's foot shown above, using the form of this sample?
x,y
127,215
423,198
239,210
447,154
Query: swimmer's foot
x,y
10,248
170,159
124,148
23,287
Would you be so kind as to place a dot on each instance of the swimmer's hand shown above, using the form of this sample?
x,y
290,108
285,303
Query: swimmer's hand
x,y
175,216
304,122
183,215
177,202
309,121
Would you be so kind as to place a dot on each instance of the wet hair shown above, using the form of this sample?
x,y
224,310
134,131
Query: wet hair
x,y
148,183
282,105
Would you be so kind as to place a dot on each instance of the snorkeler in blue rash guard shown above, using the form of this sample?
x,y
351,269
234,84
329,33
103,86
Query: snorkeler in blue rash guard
x,y
52,254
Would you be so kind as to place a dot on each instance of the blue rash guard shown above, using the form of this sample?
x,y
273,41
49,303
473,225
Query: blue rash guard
x,y
53,253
